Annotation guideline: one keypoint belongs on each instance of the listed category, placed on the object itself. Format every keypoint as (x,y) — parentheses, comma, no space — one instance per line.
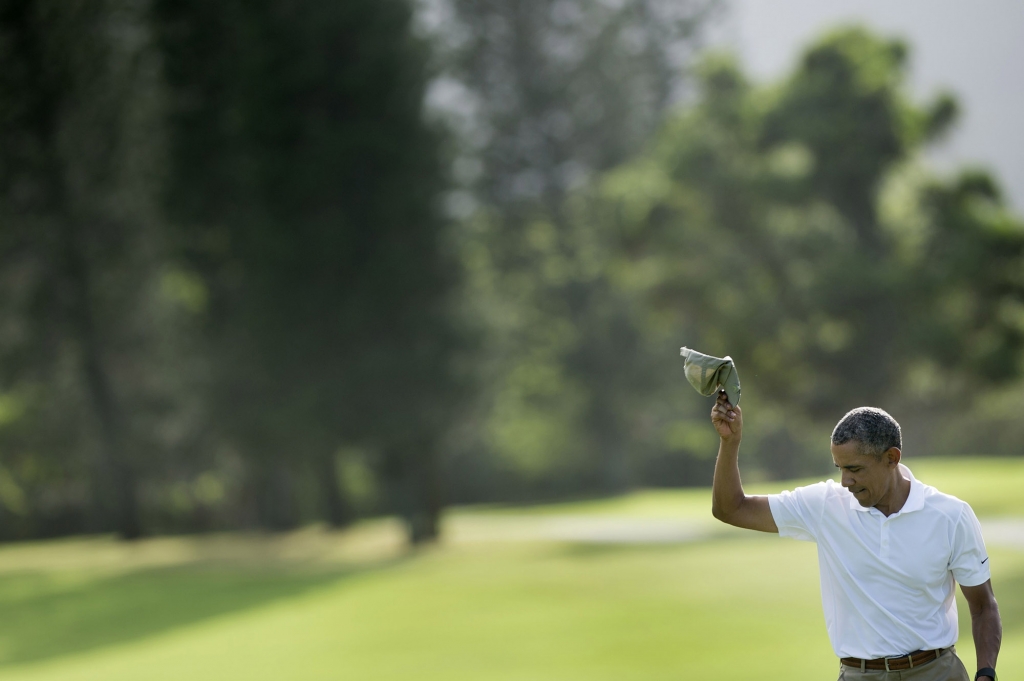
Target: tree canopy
(268,263)
(795,228)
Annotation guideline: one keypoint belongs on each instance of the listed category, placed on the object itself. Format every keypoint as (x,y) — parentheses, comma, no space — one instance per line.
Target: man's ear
(892,455)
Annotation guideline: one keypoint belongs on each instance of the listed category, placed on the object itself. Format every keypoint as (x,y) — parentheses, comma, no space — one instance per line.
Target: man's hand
(727,419)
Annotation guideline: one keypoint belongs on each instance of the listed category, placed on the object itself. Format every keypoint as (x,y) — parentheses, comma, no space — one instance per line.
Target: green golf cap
(707,374)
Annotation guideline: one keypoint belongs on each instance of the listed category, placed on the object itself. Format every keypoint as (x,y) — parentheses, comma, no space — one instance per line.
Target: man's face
(869,479)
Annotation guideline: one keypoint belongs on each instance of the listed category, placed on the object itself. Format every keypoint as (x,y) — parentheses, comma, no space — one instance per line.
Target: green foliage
(789,226)
(222,263)
(229,295)
(790,229)
(81,242)
(564,90)
(305,181)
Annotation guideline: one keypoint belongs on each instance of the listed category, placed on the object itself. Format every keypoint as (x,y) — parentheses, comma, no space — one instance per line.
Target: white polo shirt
(887,583)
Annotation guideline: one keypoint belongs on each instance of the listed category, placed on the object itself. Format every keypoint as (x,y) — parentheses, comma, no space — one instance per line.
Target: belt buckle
(910,661)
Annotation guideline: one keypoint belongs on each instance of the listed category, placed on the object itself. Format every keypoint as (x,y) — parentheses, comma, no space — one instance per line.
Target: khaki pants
(947,667)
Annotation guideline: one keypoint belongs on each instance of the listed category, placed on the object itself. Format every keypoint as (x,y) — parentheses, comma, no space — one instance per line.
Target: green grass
(991,485)
(319,605)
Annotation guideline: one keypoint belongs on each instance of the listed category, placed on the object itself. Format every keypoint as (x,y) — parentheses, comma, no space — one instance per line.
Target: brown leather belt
(895,664)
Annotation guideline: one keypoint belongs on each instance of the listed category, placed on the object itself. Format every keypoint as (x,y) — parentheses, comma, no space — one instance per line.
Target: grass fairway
(493,602)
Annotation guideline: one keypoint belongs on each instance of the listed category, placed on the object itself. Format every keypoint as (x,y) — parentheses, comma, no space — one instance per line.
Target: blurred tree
(79,255)
(562,88)
(307,185)
(548,93)
(791,229)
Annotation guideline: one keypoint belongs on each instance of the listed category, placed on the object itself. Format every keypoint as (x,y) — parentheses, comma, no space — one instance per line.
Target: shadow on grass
(45,616)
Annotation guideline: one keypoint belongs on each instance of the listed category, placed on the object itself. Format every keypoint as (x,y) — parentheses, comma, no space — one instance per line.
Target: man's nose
(847,480)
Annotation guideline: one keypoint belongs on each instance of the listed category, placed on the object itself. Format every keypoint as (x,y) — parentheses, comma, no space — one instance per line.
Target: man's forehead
(850,454)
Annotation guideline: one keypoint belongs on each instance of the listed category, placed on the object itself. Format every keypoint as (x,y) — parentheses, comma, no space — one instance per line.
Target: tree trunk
(117,472)
(339,511)
(414,489)
(275,499)
(611,447)
(424,520)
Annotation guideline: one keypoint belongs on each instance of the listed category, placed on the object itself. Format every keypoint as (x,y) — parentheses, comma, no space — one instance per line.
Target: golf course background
(641,586)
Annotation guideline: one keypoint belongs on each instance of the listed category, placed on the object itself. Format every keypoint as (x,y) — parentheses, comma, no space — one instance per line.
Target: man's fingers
(725,407)
(724,411)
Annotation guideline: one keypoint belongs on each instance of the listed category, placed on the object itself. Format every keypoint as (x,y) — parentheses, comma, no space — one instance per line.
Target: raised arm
(728,502)
(985,623)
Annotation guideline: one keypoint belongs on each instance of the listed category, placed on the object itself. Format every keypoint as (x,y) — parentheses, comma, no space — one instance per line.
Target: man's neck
(897,496)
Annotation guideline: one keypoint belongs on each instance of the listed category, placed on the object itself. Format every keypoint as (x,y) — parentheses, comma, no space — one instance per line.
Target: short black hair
(873,428)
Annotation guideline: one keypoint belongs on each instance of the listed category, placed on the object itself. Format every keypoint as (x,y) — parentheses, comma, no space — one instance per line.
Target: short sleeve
(968,559)
(798,513)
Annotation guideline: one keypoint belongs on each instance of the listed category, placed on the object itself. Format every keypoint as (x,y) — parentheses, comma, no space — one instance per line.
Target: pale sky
(974,49)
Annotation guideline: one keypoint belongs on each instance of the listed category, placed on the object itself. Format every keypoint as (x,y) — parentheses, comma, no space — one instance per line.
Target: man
(889,551)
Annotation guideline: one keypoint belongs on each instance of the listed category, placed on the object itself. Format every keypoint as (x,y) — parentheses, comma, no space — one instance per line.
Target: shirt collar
(914,502)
